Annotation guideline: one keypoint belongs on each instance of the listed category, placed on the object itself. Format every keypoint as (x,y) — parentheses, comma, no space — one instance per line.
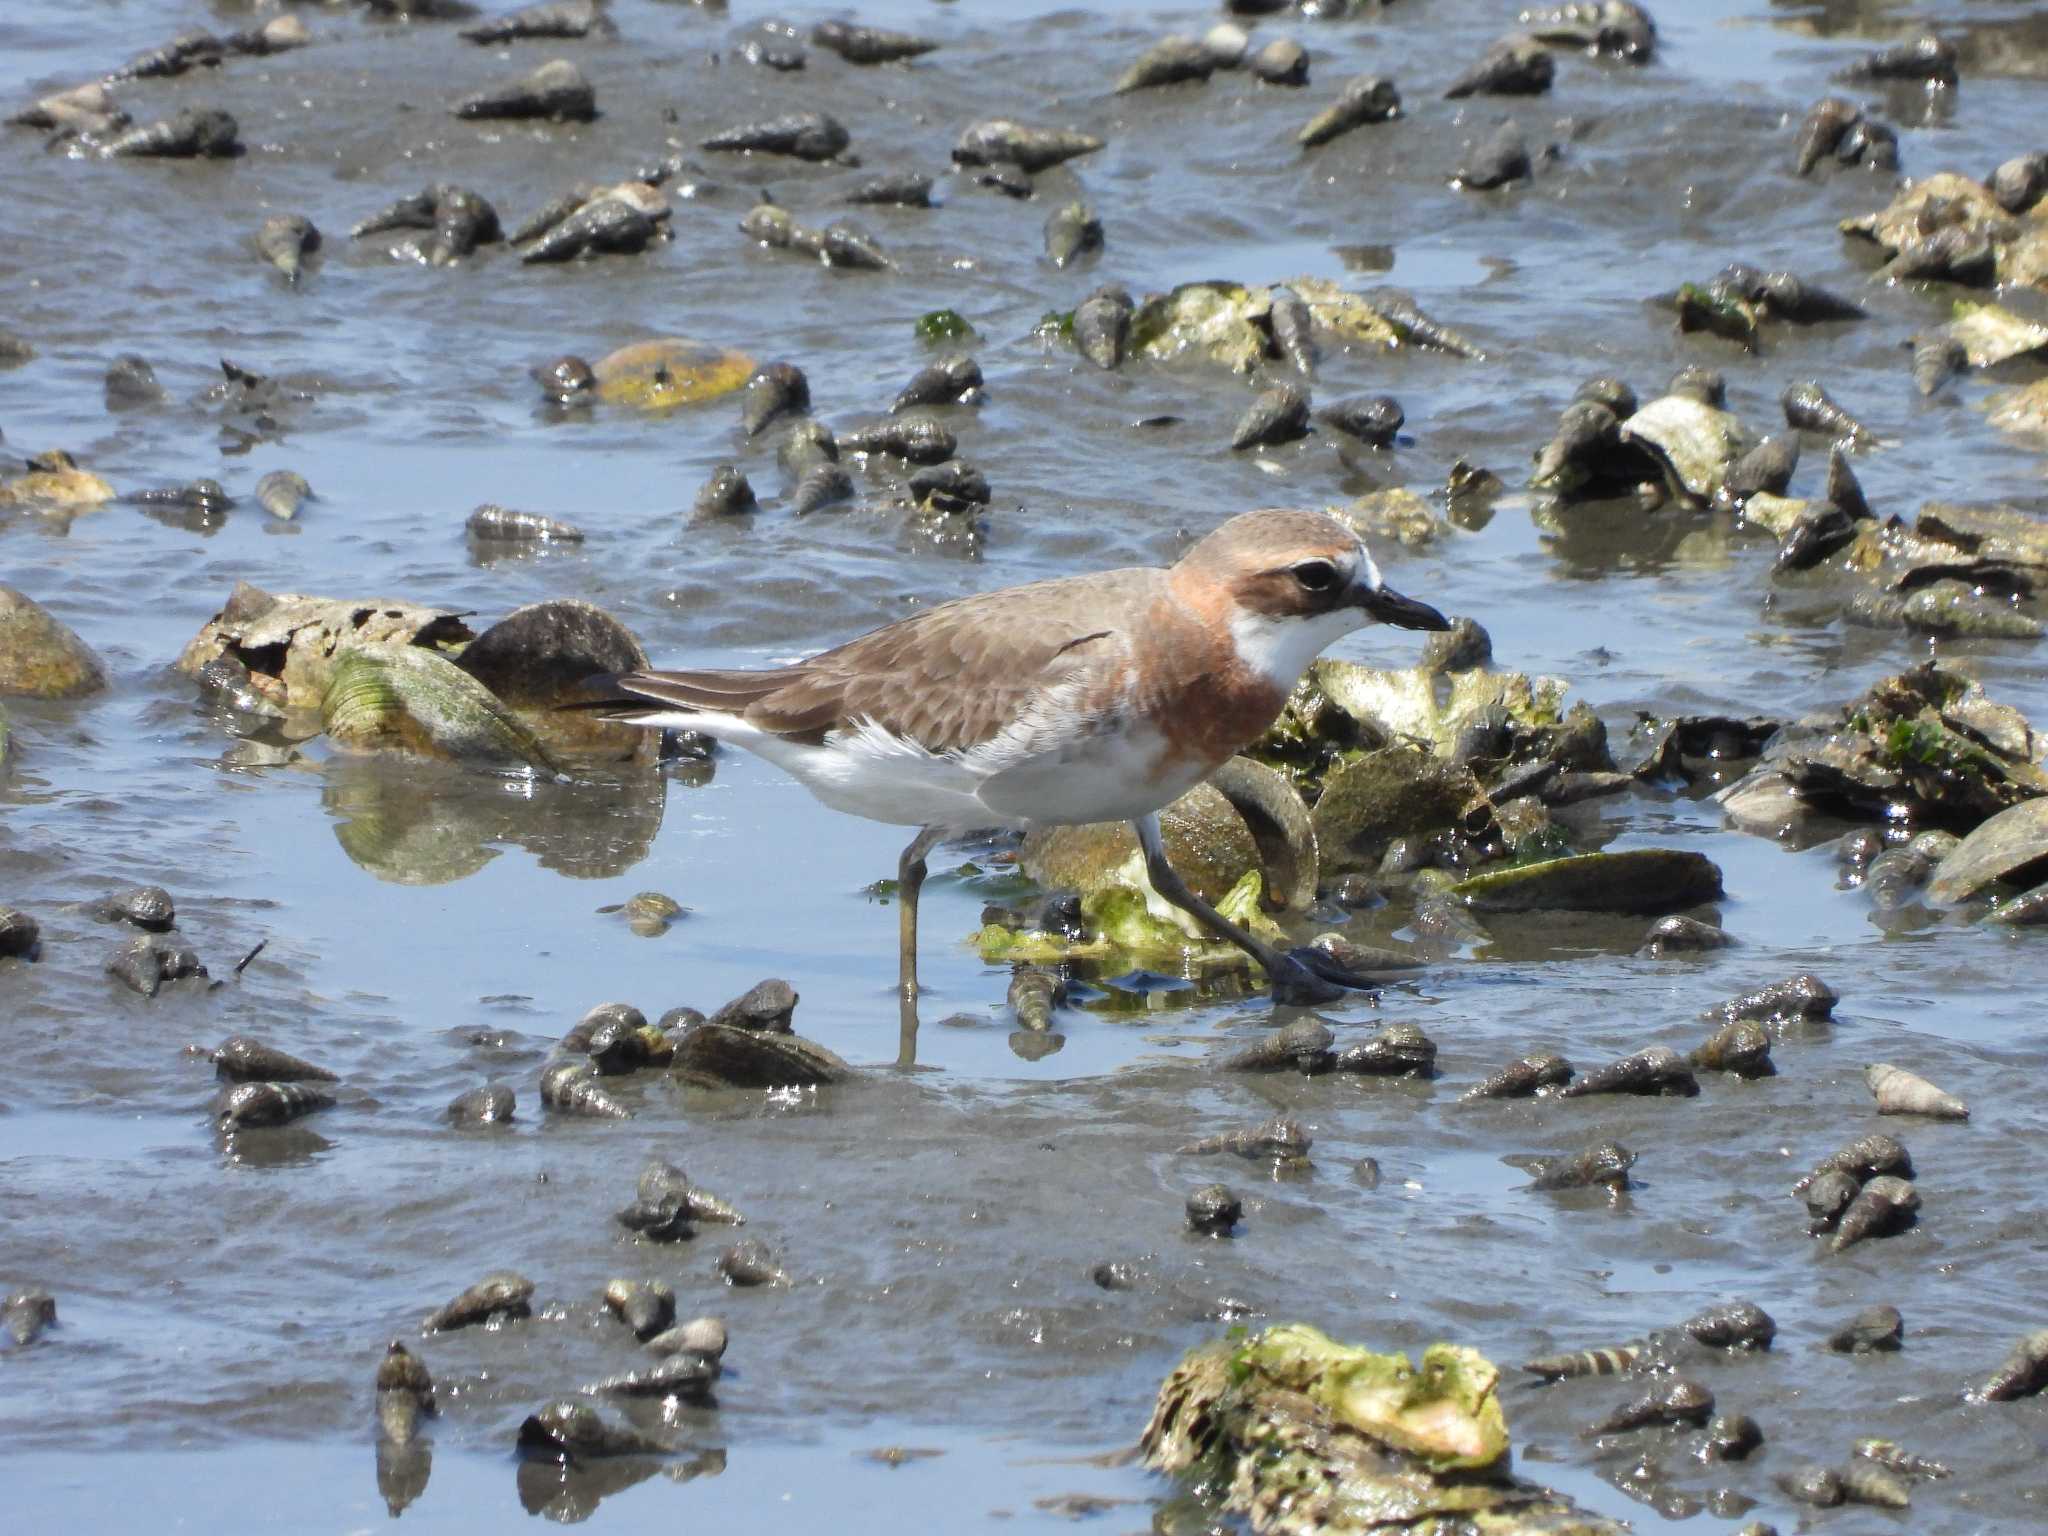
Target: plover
(1099,697)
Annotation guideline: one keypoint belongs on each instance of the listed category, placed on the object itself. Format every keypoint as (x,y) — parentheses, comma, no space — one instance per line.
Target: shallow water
(222,1315)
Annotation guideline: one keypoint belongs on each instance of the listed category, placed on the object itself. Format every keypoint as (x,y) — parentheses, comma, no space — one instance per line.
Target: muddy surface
(222,1313)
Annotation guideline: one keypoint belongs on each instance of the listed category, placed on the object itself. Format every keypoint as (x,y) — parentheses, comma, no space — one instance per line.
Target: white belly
(1046,772)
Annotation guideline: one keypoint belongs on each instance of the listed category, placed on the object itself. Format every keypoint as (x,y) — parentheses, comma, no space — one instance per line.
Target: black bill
(1390,607)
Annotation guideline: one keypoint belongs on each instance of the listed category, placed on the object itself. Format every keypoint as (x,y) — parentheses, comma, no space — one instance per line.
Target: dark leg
(910,873)
(1300,976)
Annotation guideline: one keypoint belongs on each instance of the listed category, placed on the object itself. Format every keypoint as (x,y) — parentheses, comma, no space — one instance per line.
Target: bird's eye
(1316,575)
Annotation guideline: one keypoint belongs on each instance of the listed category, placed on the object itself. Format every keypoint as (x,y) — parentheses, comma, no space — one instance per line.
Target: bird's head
(1289,583)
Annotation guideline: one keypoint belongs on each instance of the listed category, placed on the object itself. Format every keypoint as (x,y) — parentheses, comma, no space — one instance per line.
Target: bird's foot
(1306,976)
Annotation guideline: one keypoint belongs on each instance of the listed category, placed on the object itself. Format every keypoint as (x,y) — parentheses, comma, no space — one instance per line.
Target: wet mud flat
(977,1242)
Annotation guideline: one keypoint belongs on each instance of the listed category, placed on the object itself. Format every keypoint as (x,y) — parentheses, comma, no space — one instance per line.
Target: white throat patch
(1280,649)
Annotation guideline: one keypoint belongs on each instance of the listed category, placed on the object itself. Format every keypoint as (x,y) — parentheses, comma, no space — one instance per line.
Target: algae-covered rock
(40,657)
(1644,881)
(1928,745)
(1433,709)
(289,642)
(1231,323)
(1302,1435)
(408,699)
(1395,792)
(1126,925)
(670,371)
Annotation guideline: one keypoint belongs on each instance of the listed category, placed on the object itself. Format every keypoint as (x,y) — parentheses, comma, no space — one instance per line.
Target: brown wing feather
(948,678)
